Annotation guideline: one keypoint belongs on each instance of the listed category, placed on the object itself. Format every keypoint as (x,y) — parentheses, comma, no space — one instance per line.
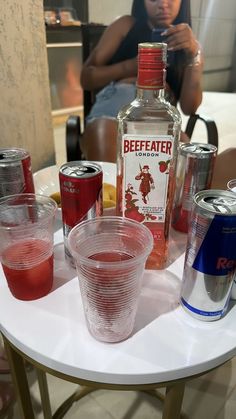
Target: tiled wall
(214,22)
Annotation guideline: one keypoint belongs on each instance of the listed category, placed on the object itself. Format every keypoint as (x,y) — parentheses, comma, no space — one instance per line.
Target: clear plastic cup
(110,255)
(26,244)
(231,185)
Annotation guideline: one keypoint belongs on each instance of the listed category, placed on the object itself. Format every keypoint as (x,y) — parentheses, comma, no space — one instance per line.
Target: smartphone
(157,37)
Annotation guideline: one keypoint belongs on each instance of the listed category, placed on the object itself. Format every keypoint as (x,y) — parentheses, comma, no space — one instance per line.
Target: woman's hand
(181,37)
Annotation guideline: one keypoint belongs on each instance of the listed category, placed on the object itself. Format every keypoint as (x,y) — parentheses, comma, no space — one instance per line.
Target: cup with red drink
(110,255)
(26,244)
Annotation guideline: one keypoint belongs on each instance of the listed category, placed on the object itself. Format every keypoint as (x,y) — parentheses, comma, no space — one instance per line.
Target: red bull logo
(225,263)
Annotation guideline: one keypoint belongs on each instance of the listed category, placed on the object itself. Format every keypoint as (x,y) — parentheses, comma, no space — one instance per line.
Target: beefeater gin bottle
(148,139)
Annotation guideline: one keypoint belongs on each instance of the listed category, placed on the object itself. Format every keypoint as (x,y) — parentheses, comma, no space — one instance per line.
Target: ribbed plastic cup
(110,255)
(26,244)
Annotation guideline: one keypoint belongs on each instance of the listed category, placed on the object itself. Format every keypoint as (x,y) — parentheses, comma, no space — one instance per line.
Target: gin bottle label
(146,168)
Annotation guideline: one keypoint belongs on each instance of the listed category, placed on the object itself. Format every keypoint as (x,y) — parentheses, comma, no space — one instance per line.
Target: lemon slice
(56,197)
(109,203)
(109,191)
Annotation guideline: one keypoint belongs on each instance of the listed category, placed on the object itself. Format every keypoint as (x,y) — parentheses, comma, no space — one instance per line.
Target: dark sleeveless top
(140,32)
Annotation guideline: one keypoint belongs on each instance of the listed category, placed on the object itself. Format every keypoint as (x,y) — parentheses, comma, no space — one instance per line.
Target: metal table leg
(20,382)
(44,394)
(173,401)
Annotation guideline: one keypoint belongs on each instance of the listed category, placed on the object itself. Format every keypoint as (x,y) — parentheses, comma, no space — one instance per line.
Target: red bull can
(15,172)
(81,195)
(231,186)
(194,173)
(210,259)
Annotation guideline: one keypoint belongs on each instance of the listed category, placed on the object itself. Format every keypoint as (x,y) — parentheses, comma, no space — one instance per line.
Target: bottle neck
(151,80)
(149,94)
(151,70)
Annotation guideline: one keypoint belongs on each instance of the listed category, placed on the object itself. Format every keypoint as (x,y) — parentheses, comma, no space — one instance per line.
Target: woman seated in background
(112,69)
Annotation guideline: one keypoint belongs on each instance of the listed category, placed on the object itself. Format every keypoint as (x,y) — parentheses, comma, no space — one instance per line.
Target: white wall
(214,23)
(105,11)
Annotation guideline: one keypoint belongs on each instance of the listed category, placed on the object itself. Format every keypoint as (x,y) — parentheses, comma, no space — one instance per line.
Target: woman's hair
(175,71)
(139,12)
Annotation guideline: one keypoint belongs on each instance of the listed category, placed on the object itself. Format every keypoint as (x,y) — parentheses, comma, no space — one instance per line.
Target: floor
(212,396)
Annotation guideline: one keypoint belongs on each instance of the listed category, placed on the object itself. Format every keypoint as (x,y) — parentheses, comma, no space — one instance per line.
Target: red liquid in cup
(28,283)
(110,256)
(110,288)
(110,296)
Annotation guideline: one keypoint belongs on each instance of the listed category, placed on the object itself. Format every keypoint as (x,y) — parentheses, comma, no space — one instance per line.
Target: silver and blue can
(210,260)
(193,174)
(15,172)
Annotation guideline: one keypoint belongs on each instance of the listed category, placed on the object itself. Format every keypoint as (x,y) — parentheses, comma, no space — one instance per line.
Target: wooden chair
(91,33)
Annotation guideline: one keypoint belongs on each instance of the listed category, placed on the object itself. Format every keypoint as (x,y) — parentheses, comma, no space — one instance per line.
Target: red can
(81,195)
(15,172)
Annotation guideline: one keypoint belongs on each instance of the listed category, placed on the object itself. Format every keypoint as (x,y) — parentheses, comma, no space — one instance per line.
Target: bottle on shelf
(148,140)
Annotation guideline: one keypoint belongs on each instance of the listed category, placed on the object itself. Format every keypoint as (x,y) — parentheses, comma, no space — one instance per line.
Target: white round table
(167,344)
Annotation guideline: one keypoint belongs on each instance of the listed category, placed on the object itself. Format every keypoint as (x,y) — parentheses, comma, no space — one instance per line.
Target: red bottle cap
(151,65)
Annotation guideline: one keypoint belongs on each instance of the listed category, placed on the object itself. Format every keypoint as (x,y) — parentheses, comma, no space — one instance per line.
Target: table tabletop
(166,344)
